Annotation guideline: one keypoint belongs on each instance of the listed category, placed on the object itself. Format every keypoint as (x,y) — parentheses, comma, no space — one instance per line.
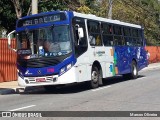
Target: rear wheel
(134,72)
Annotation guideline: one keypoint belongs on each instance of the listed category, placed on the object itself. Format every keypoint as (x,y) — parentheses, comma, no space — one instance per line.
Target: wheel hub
(95,76)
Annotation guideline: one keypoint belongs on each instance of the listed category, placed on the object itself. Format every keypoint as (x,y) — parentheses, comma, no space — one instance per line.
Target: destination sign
(42,19)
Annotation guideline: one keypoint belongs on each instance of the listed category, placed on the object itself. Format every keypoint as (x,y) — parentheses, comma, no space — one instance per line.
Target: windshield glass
(44,42)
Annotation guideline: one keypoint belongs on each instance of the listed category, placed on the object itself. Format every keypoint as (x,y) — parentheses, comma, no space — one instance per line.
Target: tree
(143,12)
(18,7)
(8,16)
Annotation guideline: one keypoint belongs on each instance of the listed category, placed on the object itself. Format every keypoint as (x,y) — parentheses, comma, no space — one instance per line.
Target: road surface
(117,94)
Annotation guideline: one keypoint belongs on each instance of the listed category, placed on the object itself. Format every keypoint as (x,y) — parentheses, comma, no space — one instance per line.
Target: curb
(151,67)
(20,90)
(8,91)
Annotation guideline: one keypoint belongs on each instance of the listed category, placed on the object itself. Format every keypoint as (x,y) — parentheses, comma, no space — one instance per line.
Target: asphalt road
(117,94)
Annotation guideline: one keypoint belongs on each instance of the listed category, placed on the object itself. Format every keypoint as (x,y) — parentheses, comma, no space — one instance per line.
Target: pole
(34,11)
(34,7)
(110,9)
(159,13)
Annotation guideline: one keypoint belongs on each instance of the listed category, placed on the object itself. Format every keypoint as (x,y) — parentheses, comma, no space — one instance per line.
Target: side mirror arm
(9,41)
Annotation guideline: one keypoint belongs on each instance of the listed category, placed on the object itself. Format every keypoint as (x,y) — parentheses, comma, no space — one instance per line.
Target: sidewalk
(13,88)
(8,87)
(152,66)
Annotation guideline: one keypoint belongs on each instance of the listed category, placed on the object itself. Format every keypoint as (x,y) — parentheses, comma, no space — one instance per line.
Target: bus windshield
(44,42)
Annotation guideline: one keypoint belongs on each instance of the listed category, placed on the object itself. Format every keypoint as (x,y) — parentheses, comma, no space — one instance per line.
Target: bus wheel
(134,70)
(95,76)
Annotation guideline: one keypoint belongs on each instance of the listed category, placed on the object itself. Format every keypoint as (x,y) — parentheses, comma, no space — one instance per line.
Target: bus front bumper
(66,78)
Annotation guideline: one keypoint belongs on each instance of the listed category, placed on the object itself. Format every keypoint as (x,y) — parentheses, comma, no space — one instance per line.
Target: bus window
(94,33)
(82,47)
(107,34)
(126,31)
(128,41)
(118,40)
(127,36)
(136,37)
(23,42)
(106,28)
(108,40)
(134,41)
(117,30)
(139,42)
(135,33)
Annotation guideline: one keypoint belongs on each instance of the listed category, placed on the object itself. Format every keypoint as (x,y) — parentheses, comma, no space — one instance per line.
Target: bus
(63,47)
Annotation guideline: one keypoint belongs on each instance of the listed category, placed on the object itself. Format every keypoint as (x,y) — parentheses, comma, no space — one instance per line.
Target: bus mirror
(9,40)
(80,33)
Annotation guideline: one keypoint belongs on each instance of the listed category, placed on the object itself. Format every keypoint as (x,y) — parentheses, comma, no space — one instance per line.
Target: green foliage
(8,17)
(51,5)
(84,9)
(143,12)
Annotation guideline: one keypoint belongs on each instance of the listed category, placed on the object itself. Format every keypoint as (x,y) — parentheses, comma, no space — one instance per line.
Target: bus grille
(47,79)
(38,63)
(41,62)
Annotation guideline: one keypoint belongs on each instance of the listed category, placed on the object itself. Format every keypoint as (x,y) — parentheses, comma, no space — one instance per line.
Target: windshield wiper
(27,34)
(30,40)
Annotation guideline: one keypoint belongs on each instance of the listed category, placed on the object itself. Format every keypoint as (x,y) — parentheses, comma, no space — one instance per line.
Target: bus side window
(136,37)
(117,31)
(80,45)
(128,41)
(107,34)
(127,36)
(94,33)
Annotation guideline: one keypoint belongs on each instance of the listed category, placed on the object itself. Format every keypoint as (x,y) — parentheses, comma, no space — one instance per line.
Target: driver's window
(80,44)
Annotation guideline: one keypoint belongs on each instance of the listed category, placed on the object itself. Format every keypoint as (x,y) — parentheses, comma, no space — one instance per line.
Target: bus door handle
(93,46)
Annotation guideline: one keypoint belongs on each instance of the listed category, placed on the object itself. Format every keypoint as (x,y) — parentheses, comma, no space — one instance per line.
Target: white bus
(63,47)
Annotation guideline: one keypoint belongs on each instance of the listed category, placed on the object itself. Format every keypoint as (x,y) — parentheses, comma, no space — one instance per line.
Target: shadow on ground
(74,88)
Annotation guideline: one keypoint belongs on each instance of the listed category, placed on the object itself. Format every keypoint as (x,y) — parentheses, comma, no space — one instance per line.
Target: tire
(95,77)
(134,72)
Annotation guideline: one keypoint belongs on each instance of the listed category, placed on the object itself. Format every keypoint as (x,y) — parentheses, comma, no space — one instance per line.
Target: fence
(154,53)
(8,71)
(7,62)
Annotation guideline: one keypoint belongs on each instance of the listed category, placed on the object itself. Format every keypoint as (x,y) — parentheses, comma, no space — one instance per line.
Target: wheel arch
(134,60)
(98,65)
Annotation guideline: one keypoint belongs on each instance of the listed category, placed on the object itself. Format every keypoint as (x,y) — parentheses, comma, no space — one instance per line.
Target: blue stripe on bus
(57,68)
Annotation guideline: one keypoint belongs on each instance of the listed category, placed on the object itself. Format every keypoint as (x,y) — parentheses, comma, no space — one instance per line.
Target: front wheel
(95,77)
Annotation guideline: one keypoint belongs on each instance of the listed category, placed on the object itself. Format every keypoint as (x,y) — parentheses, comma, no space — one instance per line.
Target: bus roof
(87,16)
(93,17)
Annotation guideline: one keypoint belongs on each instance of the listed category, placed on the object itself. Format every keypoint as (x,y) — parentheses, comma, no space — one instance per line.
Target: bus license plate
(40,80)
